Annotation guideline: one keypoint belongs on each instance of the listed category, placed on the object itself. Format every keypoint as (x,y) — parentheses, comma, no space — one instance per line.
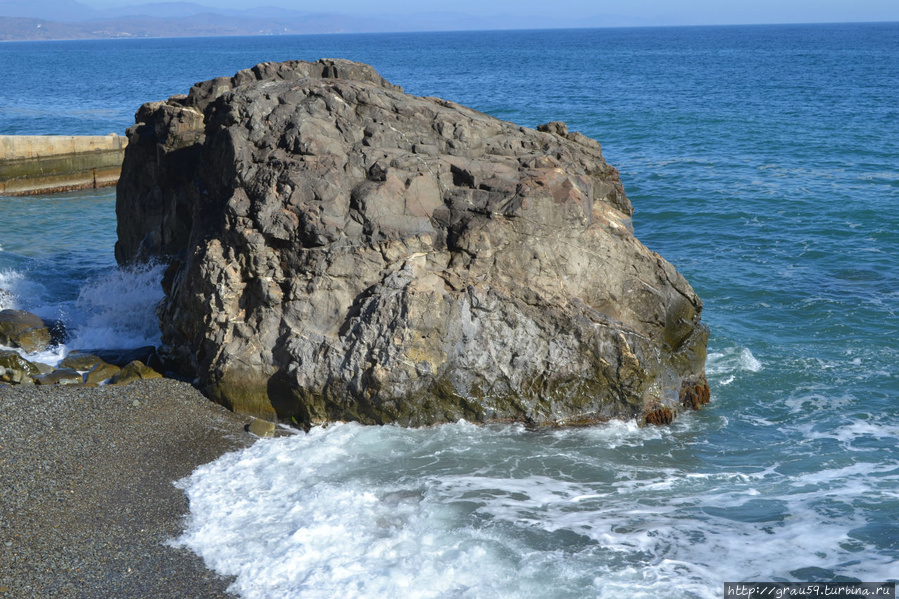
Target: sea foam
(118,310)
(726,364)
(8,279)
(466,511)
(15,287)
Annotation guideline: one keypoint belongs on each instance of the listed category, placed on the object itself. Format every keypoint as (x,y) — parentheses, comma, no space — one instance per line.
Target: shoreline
(87,495)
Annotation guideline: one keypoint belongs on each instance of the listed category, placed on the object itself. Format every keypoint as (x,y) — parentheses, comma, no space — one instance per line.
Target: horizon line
(423,31)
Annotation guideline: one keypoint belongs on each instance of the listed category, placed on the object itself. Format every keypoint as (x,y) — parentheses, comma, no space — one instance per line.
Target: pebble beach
(88,505)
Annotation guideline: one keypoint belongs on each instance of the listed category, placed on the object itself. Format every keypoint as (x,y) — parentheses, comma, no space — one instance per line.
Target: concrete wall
(31,164)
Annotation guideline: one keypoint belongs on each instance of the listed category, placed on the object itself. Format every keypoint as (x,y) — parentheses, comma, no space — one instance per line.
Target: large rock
(341,250)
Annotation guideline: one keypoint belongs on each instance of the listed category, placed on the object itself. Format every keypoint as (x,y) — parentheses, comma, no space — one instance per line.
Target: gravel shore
(86,495)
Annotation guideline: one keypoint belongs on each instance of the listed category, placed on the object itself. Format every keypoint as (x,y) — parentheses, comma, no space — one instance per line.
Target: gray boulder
(340,250)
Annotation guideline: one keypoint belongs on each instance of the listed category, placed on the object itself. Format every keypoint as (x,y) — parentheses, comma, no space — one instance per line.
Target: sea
(762,161)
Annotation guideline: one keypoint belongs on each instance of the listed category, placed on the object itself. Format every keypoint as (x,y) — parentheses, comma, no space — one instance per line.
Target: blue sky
(658,12)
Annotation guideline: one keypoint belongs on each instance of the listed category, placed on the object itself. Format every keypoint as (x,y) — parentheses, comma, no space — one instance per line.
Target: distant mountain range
(69,19)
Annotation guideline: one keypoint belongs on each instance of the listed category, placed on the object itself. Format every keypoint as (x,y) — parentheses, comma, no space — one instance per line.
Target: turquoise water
(762,161)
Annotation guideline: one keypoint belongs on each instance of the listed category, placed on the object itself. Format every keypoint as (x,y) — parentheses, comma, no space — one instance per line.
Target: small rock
(11,360)
(23,329)
(82,361)
(62,376)
(101,372)
(135,403)
(14,376)
(134,371)
(262,428)
(556,127)
(43,368)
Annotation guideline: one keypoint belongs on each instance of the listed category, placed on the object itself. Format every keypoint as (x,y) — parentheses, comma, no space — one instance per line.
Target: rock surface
(341,250)
(60,376)
(80,360)
(134,371)
(261,428)
(12,360)
(24,330)
(101,372)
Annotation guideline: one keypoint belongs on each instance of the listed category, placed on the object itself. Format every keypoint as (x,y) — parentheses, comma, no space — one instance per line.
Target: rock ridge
(339,250)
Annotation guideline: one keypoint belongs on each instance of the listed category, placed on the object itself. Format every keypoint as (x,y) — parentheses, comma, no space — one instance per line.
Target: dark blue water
(762,161)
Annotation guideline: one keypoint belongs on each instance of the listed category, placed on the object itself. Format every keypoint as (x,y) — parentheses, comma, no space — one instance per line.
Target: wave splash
(16,289)
(115,310)
(118,310)
(724,365)
(8,279)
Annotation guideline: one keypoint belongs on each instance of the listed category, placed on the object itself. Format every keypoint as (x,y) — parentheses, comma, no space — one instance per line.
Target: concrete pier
(32,164)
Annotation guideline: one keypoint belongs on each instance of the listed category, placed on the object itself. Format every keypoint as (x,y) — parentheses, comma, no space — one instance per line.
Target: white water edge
(461,510)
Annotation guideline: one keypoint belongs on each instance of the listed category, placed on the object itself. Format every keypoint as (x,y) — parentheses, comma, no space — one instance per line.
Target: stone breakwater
(340,250)
(32,164)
